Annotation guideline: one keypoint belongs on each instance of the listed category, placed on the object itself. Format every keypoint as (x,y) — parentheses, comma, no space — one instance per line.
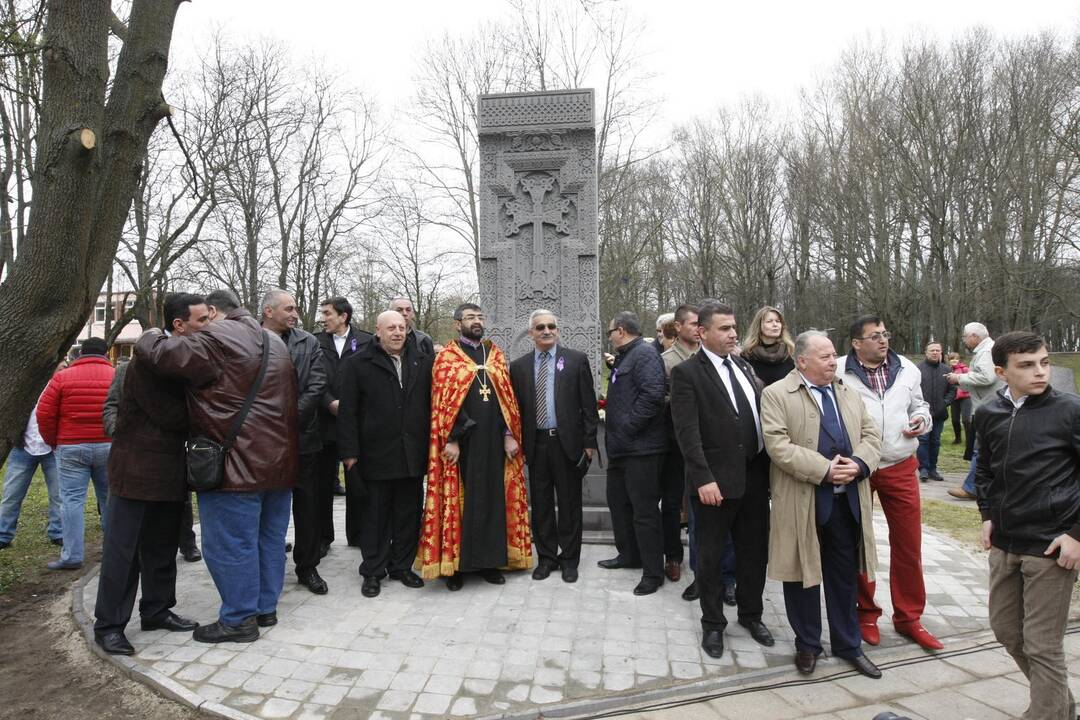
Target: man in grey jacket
(981,381)
(279,315)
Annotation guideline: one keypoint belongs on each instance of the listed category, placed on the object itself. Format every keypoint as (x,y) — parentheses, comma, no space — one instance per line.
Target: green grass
(961,522)
(24,561)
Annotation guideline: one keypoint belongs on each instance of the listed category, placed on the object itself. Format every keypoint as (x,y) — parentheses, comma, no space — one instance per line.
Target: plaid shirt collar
(878,377)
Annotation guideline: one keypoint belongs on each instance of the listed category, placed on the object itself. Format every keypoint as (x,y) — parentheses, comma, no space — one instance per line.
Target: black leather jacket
(1028,472)
(308,360)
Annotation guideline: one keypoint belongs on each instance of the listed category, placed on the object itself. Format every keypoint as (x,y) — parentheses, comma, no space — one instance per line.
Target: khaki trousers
(1029,609)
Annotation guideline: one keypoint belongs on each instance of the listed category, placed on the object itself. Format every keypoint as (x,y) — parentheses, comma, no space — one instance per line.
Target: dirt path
(50,673)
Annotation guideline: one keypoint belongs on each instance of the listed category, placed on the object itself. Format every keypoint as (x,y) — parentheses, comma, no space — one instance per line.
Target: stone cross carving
(538,215)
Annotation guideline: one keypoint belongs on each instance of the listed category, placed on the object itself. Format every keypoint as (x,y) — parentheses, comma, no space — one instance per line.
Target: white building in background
(111,308)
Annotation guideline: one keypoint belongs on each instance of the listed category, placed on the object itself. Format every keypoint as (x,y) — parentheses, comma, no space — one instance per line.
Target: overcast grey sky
(703,54)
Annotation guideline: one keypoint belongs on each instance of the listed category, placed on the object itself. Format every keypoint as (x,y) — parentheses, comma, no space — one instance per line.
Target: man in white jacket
(983,383)
(891,389)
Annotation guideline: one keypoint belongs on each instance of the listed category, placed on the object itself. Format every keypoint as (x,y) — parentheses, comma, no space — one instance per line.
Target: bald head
(390,328)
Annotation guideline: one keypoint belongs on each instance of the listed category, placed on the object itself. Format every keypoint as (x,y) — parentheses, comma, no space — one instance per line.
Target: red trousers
(897,489)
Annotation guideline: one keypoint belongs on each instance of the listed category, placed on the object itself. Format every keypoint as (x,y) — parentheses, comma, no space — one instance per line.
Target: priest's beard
(473,332)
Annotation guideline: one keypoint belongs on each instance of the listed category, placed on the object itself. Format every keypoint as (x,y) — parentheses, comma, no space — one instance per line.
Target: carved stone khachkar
(538,207)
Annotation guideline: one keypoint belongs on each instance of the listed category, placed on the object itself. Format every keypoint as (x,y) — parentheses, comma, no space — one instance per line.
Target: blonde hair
(753,335)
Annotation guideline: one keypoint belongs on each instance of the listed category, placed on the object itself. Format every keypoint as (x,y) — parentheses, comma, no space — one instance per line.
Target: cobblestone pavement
(518,649)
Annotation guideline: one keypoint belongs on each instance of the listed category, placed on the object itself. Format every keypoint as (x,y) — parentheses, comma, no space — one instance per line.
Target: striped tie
(541,392)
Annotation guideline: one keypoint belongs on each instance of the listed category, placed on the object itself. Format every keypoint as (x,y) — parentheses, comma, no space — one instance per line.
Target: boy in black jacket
(1028,486)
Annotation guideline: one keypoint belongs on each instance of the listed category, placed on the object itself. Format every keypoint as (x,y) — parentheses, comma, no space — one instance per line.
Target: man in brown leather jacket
(243,521)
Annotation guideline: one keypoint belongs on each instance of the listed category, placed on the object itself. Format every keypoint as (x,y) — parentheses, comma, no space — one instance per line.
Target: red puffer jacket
(69,412)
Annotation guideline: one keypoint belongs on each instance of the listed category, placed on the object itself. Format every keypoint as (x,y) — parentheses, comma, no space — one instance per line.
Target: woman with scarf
(768,346)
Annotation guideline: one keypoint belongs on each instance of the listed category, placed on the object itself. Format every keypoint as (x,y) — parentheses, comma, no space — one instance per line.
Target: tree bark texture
(91,145)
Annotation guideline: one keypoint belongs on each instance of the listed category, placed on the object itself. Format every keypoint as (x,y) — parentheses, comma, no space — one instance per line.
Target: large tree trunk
(89,155)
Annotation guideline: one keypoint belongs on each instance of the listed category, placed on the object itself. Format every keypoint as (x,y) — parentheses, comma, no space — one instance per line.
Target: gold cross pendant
(485,392)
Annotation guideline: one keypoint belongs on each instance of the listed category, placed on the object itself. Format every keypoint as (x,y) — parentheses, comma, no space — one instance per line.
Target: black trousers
(672,489)
(839,538)
(329,466)
(187,520)
(307,529)
(140,542)
(633,494)
(555,481)
(390,526)
(355,502)
(746,519)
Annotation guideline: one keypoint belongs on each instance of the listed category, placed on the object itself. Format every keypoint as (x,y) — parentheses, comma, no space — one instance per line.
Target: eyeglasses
(542,327)
(611,330)
(877,337)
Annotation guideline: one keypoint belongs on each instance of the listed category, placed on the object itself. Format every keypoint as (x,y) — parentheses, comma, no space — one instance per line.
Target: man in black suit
(339,341)
(383,427)
(555,392)
(715,408)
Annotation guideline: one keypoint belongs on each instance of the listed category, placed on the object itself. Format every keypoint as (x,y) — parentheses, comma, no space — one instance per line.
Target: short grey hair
(662,320)
(802,341)
(976,328)
(272,297)
(406,298)
(628,321)
(541,311)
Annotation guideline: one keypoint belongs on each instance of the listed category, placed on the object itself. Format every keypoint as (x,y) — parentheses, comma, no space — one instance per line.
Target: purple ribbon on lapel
(560,364)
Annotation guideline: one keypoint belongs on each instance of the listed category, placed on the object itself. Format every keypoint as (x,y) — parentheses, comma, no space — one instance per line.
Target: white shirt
(339,343)
(1017,403)
(744,383)
(33,443)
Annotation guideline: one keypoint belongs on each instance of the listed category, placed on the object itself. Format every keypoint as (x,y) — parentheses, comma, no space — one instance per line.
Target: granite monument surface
(538,217)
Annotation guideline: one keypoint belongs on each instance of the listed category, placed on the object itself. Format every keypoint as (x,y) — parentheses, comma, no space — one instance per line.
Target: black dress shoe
(647,587)
(408,578)
(569,574)
(4,545)
(54,541)
(371,586)
(864,666)
(805,661)
(169,621)
(191,554)
(617,563)
(936,476)
(543,569)
(729,595)
(288,547)
(759,632)
(691,592)
(313,582)
(493,576)
(114,643)
(324,548)
(266,619)
(455,582)
(245,632)
(713,643)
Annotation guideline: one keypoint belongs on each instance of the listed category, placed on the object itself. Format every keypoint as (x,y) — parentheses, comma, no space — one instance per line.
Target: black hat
(93,346)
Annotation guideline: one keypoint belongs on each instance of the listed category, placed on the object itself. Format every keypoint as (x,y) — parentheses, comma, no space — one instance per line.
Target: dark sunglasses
(542,326)
(613,330)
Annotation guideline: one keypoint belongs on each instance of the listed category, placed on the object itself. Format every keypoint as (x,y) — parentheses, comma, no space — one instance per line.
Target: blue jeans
(969,481)
(930,448)
(20,470)
(76,466)
(243,545)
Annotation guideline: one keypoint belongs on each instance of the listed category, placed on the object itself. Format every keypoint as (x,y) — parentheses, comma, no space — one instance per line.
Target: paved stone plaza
(518,649)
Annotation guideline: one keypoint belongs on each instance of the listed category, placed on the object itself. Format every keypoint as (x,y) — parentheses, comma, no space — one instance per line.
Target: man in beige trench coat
(823,445)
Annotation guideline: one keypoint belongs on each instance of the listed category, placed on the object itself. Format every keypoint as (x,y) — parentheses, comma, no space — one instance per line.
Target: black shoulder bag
(205,457)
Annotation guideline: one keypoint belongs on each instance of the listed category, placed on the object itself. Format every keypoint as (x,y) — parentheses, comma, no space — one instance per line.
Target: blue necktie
(830,422)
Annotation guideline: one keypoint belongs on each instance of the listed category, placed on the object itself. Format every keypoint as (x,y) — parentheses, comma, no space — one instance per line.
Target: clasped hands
(452,451)
(843,470)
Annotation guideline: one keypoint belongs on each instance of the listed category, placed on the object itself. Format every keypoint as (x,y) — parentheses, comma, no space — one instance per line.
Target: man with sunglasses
(555,391)
(891,389)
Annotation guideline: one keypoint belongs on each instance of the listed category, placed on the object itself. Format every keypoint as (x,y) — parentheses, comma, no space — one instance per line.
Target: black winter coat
(355,342)
(634,415)
(382,424)
(936,390)
(307,358)
(1027,477)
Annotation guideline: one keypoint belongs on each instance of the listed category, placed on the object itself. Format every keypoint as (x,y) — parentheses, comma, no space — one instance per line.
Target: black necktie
(747,426)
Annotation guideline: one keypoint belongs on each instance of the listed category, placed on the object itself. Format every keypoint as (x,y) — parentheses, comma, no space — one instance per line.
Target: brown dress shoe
(961,494)
(673,570)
